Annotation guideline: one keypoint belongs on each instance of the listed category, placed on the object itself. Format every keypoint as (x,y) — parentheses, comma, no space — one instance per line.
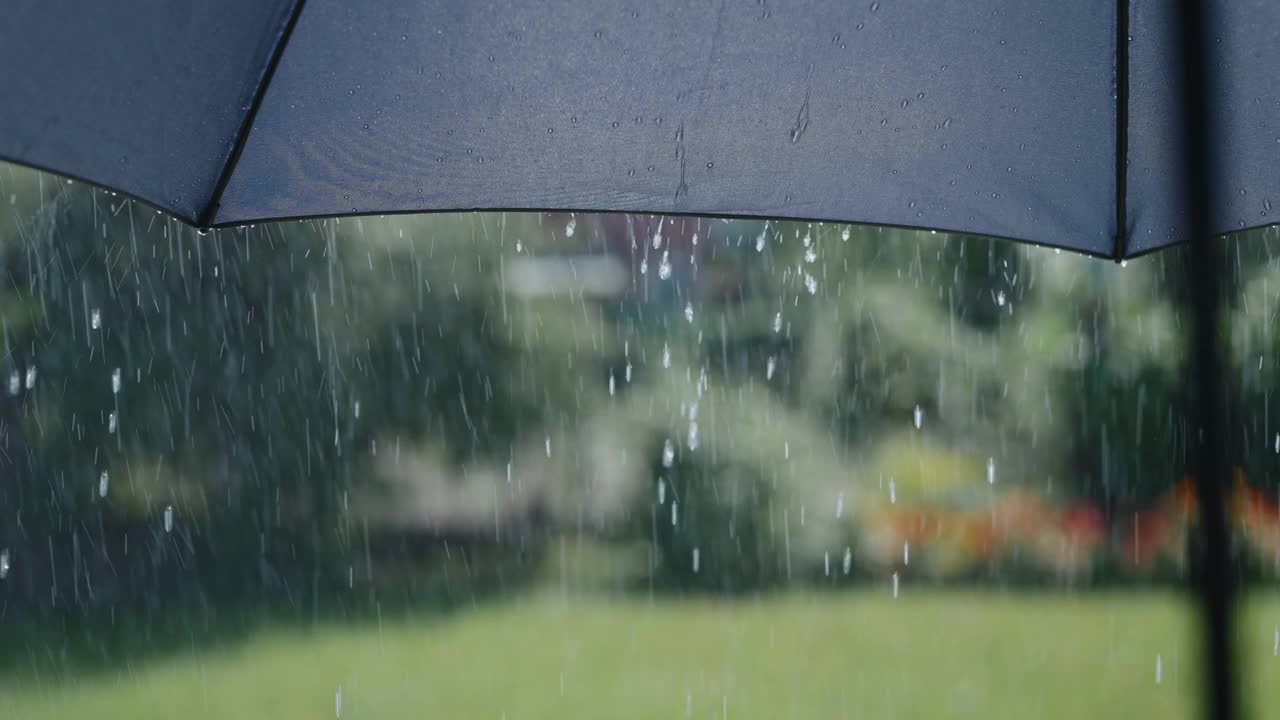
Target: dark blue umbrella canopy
(1045,121)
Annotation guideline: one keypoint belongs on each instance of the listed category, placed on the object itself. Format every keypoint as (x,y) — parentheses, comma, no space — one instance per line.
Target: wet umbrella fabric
(1004,119)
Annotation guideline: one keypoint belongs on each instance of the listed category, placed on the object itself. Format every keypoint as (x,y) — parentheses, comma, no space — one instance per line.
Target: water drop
(570,227)
(95,319)
(115,381)
(917,416)
(991,471)
(104,481)
(168,518)
(844,235)
(4,563)
(30,380)
(666,355)
(688,312)
(662,491)
(895,586)
(769,367)
(668,453)
(15,384)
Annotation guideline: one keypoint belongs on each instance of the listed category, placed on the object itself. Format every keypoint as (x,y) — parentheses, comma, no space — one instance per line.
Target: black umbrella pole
(1211,574)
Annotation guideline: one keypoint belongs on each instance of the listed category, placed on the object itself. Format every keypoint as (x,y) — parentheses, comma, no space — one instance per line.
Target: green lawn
(943,654)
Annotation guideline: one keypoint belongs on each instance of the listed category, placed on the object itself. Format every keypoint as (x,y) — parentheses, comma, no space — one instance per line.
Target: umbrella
(1083,125)
(1041,121)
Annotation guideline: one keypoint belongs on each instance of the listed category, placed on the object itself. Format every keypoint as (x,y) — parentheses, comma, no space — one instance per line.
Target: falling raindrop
(103,482)
(1000,299)
(115,381)
(547,445)
(844,235)
(906,553)
(847,563)
(760,239)
(570,227)
(893,492)
(668,453)
(810,255)
(30,380)
(895,586)
(777,323)
(612,385)
(111,423)
(839,505)
(95,319)
(675,513)
(15,383)
(337,702)
(664,266)
(1159,669)
(662,491)
(168,518)
(695,560)
(811,284)
(917,416)
(769,368)
(692,439)
(666,355)
(688,312)
(991,471)
(4,563)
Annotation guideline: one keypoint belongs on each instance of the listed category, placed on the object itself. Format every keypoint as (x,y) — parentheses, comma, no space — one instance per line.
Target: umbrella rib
(1122,128)
(246,124)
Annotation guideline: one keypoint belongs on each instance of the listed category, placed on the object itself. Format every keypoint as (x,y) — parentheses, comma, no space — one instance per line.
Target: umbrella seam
(1122,127)
(205,221)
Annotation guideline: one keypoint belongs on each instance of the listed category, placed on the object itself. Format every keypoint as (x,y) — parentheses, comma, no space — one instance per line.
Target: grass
(938,654)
